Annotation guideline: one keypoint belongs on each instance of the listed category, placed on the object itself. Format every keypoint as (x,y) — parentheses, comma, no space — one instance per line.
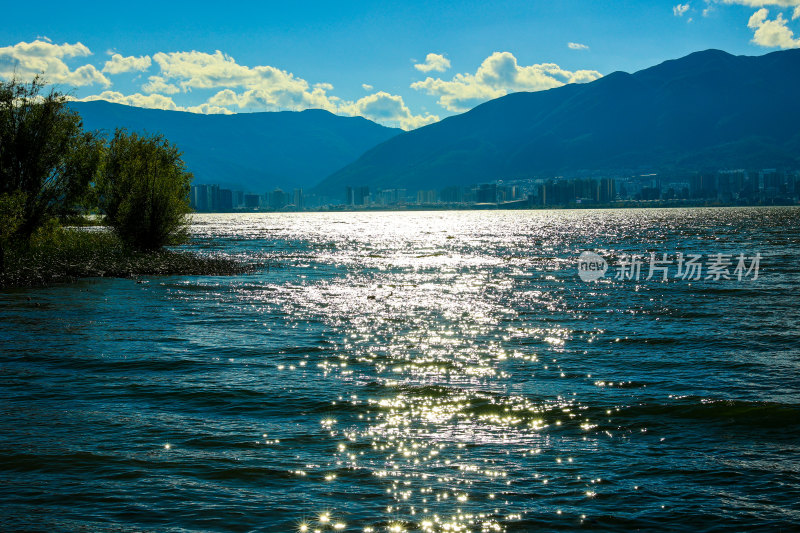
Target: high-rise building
(299,200)
(426,197)
(252,201)
(452,195)
(225,200)
(487,193)
(606,190)
(201,198)
(357,196)
(361,196)
(277,199)
(213,197)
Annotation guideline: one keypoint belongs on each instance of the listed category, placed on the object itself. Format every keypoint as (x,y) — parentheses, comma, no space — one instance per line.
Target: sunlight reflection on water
(448,371)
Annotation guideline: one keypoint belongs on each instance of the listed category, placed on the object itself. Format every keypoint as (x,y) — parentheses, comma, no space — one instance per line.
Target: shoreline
(509,206)
(73,253)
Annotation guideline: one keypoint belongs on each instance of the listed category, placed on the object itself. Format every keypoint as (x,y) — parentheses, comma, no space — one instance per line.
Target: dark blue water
(414,372)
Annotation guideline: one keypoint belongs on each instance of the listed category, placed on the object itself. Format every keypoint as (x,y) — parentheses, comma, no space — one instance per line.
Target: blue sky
(402,65)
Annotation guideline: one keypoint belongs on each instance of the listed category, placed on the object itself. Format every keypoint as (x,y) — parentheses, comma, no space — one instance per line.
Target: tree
(12,206)
(45,155)
(144,190)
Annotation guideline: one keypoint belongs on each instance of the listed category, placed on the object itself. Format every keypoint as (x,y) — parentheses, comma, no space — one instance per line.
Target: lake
(425,371)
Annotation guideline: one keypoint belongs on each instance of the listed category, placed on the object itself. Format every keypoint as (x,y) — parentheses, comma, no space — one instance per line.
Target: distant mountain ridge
(706,110)
(250,151)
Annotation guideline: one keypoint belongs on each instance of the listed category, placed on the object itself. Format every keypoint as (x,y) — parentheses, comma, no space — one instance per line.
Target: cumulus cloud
(43,57)
(157,84)
(577,46)
(380,107)
(761,3)
(384,107)
(498,75)
(435,62)
(771,33)
(264,86)
(200,70)
(367,86)
(269,88)
(781,4)
(680,10)
(272,98)
(764,3)
(233,86)
(119,64)
(208,109)
(153,101)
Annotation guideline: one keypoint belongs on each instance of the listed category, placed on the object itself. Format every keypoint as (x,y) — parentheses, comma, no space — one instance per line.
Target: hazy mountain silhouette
(252,151)
(707,110)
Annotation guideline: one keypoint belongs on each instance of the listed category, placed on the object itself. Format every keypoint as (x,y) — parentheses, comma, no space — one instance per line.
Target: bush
(46,158)
(12,207)
(144,190)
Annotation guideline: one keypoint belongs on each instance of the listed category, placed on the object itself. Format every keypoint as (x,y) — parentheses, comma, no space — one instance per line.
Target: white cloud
(680,10)
(208,109)
(225,98)
(498,75)
(264,86)
(205,71)
(269,88)
(273,98)
(367,86)
(157,84)
(238,86)
(771,33)
(119,64)
(387,108)
(380,107)
(436,62)
(153,101)
(577,46)
(761,3)
(41,57)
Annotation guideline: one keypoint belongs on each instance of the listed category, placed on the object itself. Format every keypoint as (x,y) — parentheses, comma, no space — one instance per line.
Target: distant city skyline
(404,66)
(767,186)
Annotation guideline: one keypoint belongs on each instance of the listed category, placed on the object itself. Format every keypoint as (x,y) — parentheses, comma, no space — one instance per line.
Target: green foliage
(44,154)
(144,190)
(52,172)
(12,207)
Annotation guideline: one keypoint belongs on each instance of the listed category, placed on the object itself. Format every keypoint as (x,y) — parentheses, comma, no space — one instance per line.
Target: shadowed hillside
(707,110)
(254,151)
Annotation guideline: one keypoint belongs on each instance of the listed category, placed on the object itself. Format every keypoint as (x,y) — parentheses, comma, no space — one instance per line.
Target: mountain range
(249,151)
(708,110)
